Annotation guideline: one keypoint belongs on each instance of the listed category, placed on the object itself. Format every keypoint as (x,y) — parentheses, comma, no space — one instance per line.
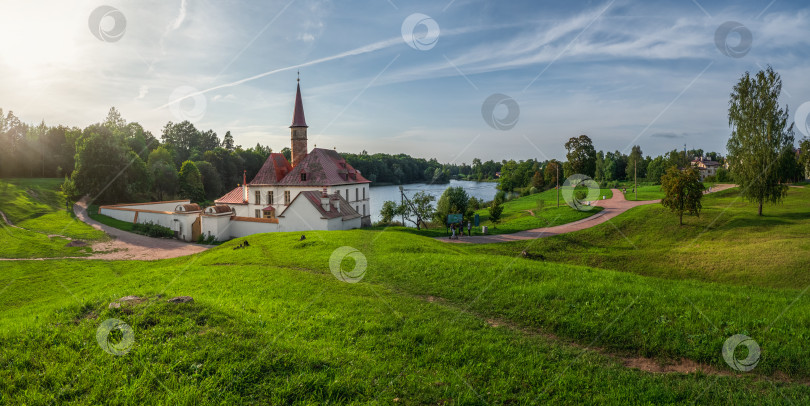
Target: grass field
(38,207)
(523,213)
(728,243)
(291,332)
(92,211)
(429,322)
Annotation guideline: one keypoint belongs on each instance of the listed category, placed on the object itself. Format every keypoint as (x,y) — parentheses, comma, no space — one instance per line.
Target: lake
(379,194)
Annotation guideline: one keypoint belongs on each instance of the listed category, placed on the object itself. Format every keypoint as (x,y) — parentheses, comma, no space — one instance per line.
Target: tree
(537,180)
(635,162)
(160,154)
(656,169)
(804,157)
(164,178)
(227,141)
(190,180)
(581,156)
(682,191)
(550,172)
(760,136)
(102,162)
(181,138)
(495,211)
(419,206)
(114,121)
(389,210)
(212,182)
(453,200)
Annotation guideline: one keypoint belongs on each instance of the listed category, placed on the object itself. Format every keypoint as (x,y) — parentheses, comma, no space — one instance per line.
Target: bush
(152,230)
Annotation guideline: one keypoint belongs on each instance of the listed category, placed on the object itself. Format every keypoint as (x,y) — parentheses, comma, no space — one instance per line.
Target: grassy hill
(728,243)
(36,206)
(429,323)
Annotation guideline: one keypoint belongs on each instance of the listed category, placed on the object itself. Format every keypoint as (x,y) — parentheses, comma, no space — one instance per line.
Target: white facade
(357,194)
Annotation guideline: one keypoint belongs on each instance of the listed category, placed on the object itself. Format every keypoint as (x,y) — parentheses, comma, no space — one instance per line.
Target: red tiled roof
(274,169)
(323,167)
(340,207)
(233,197)
(298,114)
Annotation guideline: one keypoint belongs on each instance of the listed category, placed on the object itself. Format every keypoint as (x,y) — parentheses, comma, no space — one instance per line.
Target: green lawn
(728,243)
(38,207)
(430,322)
(92,211)
(644,193)
(524,213)
(270,324)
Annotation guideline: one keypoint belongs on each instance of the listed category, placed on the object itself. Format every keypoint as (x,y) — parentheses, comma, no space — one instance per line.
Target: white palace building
(318,190)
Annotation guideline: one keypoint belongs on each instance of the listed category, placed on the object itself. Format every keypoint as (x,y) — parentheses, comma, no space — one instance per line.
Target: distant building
(318,190)
(706,167)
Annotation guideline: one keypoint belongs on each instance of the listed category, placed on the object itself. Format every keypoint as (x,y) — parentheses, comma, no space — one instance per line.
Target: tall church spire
(298,114)
(298,129)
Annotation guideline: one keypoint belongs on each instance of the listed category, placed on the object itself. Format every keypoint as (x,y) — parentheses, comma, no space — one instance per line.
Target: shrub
(152,230)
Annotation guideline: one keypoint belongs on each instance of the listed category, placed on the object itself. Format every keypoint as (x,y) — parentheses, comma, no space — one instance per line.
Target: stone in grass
(126,300)
(181,299)
(76,243)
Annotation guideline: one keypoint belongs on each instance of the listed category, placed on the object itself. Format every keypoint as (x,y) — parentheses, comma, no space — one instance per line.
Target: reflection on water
(379,194)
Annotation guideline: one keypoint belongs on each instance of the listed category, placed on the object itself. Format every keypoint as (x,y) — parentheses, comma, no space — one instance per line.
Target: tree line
(386,169)
(118,161)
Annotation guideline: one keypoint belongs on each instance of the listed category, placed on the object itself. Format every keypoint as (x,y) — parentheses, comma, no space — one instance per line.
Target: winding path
(131,246)
(611,208)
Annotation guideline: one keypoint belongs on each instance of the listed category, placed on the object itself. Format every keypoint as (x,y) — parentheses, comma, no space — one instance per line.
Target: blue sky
(624,72)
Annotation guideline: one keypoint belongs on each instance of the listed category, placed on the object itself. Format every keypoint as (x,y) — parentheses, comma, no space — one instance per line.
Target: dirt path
(611,208)
(5,220)
(130,246)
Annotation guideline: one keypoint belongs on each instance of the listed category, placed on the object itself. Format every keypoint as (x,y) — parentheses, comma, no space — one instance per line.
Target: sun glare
(37,38)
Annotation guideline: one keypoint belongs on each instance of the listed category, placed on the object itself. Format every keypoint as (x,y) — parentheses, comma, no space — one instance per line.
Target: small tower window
(303,176)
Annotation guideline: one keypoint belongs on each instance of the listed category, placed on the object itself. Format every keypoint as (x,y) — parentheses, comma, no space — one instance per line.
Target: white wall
(302,216)
(245,228)
(278,197)
(241,210)
(123,215)
(158,206)
(218,226)
(182,223)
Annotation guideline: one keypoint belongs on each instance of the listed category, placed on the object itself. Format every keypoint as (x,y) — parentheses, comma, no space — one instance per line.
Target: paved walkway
(131,246)
(611,208)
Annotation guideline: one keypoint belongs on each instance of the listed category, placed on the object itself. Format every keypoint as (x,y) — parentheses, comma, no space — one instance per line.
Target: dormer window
(303,176)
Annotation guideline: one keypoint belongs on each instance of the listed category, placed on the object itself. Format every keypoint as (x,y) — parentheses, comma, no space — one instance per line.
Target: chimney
(244,186)
(325,200)
(298,130)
